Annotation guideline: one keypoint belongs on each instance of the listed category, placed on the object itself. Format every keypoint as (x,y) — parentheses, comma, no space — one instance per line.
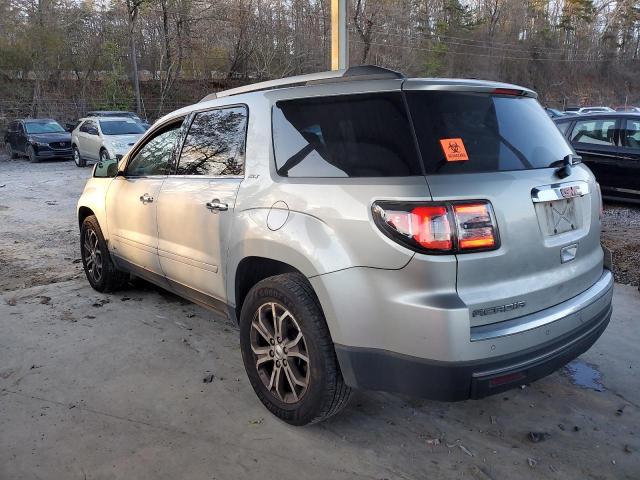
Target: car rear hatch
(497,144)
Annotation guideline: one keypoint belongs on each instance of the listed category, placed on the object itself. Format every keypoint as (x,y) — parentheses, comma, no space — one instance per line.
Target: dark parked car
(609,143)
(37,138)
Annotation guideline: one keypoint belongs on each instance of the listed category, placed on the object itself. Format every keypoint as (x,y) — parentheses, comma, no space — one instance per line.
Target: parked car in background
(583,110)
(119,113)
(38,139)
(609,144)
(554,113)
(628,109)
(104,138)
(423,236)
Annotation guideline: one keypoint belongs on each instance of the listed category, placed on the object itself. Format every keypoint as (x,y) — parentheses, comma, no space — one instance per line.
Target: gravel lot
(621,234)
(111,386)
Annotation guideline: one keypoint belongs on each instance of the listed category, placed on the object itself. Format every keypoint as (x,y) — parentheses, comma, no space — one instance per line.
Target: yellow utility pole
(339,49)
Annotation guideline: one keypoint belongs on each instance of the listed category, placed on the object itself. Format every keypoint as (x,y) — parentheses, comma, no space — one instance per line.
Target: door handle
(146,198)
(217,206)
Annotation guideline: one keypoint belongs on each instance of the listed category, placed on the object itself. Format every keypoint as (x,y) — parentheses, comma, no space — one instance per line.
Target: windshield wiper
(564,165)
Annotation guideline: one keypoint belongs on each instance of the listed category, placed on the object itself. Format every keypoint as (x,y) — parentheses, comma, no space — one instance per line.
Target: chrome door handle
(217,206)
(146,198)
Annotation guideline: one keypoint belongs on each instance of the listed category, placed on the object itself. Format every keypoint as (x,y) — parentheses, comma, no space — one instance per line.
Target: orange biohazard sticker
(454,150)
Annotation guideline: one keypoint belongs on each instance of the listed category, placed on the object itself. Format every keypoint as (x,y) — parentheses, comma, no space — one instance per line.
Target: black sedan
(609,143)
(38,139)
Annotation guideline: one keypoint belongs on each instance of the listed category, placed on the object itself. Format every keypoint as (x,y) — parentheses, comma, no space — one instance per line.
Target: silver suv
(433,237)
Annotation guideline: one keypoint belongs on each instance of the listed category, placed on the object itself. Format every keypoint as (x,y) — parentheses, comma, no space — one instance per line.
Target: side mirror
(92,131)
(106,169)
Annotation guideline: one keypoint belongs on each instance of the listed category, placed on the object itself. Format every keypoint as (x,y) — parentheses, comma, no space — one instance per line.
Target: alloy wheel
(92,255)
(280,352)
(76,156)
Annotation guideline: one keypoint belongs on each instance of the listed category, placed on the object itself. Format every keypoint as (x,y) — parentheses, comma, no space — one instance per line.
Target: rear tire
(296,390)
(77,158)
(96,260)
(104,155)
(31,153)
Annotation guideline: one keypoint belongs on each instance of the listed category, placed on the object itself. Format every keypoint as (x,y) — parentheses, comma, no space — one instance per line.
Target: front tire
(9,151)
(77,158)
(98,266)
(31,153)
(288,352)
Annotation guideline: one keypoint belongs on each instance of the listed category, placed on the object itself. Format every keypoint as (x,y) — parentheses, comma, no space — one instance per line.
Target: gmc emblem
(570,192)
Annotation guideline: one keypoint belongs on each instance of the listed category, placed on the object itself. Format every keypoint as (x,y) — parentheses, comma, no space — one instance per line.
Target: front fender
(93,197)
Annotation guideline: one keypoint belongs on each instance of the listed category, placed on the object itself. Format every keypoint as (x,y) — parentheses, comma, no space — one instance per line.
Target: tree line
(155,55)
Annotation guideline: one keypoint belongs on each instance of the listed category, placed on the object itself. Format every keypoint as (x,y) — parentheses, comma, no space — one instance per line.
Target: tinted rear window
(366,135)
(462,132)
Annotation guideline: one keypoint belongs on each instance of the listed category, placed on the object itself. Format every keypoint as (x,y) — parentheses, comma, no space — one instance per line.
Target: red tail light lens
(438,228)
(432,228)
(507,91)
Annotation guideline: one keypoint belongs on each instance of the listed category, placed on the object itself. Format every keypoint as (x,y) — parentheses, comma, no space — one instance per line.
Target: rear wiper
(564,165)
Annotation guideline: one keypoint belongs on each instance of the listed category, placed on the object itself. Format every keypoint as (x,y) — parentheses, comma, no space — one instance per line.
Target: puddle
(584,375)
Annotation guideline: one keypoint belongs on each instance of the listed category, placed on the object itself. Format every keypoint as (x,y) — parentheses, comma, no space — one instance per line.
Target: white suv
(104,138)
(433,237)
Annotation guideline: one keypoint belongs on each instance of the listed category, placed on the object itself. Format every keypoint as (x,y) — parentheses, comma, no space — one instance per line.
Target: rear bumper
(590,312)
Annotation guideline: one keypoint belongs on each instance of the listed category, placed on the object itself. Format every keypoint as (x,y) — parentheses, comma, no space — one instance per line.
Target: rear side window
(595,132)
(344,136)
(215,143)
(460,132)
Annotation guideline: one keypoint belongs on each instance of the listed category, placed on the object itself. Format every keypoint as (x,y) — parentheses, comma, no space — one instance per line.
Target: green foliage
(116,89)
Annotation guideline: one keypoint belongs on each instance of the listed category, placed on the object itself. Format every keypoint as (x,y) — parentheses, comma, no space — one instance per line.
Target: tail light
(439,228)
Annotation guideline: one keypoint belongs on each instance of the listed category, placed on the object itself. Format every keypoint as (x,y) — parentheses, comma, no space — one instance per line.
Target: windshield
(460,132)
(49,126)
(120,127)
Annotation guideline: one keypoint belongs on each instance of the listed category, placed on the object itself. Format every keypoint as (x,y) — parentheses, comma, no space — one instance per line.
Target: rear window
(460,132)
(366,135)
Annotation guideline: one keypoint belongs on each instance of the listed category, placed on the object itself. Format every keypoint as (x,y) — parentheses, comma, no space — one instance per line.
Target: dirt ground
(99,386)
(621,234)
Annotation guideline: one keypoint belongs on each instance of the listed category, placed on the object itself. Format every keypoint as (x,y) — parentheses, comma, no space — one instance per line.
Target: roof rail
(360,72)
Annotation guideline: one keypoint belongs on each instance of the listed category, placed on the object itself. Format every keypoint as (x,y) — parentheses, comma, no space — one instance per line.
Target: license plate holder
(560,216)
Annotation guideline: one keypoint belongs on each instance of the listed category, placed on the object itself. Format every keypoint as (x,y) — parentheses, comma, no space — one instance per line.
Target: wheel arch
(251,270)
(84,212)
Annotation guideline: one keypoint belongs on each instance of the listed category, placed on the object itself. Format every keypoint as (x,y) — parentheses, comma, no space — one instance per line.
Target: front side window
(215,143)
(121,127)
(365,135)
(89,126)
(50,126)
(154,158)
(631,137)
(595,132)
